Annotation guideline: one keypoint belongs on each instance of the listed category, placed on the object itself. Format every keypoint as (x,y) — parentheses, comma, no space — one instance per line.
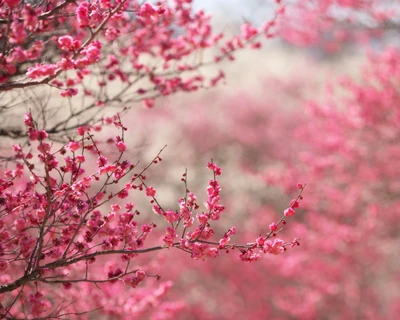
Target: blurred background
(318,104)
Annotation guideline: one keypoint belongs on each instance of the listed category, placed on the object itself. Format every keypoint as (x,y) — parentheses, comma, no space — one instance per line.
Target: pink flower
(107,169)
(115,207)
(223,242)
(150,192)
(148,103)
(70,92)
(129,206)
(202,218)
(82,14)
(140,274)
(212,253)
(107,120)
(134,281)
(170,236)
(157,209)
(289,212)
(274,247)
(147,10)
(73,145)
(171,216)
(231,231)
(294,204)
(41,70)
(66,64)
(249,256)
(28,119)
(92,53)
(42,135)
(81,130)
(102,161)
(105,4)
(114,274)
(123,194)
(65,42)
(212,166)
(80,158)
(111,34)
(121,146)
(273,227)
(17,148)
(33,135)
(248,31)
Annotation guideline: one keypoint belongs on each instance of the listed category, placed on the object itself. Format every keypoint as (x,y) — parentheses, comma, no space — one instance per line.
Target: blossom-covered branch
(55,221)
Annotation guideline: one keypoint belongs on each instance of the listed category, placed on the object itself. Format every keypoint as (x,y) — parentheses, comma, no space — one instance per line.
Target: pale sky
(237,10)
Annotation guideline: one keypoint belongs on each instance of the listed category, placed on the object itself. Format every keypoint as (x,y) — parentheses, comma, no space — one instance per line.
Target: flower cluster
(141,30)
(68,209)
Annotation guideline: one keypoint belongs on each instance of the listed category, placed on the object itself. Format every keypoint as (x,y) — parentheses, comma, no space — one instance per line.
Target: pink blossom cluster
(147,10)
(41,70)
(82,14)
(309,22)
(152,32)
(60,217)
